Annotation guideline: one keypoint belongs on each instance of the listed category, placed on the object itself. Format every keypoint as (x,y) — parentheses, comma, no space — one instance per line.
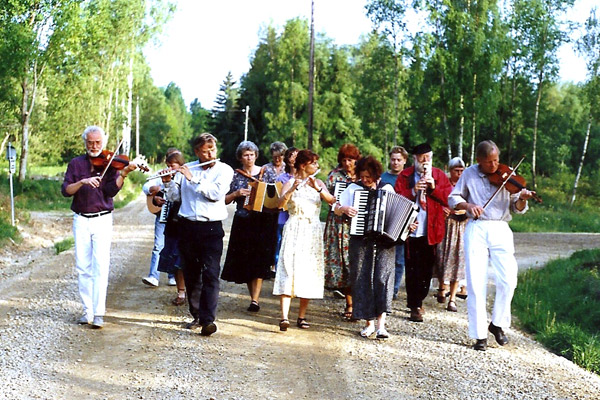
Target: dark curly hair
(370,164)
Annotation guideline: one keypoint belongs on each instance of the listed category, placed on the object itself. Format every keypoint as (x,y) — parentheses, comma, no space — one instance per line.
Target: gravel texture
(144,353)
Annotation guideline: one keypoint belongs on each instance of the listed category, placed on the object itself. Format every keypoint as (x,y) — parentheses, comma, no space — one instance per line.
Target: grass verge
(560,304)
(45,195)
(64,245)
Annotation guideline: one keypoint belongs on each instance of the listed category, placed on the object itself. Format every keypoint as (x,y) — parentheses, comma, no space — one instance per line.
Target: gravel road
(144,353)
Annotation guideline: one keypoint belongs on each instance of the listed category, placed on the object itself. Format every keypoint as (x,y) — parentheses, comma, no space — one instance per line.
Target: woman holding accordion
(372,260)
(251,249)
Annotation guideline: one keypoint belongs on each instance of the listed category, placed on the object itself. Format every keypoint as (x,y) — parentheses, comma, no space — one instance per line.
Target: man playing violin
(202,193)
(488,238)
(93,191)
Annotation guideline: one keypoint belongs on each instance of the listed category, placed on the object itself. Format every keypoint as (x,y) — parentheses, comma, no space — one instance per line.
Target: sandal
(284,324)
(452,306)
(347,314)
(178,301)
(302,324)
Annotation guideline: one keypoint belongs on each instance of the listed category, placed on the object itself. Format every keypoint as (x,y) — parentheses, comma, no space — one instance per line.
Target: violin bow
(111,159)
(512,173)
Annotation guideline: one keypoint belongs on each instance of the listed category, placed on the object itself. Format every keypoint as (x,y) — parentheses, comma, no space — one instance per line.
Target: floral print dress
(336,240)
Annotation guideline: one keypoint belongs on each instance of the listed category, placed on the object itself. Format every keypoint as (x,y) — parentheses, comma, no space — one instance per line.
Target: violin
(514,183)
(106,158)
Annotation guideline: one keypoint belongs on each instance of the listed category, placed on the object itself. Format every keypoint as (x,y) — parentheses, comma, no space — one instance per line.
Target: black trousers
(420,258)
(201,246)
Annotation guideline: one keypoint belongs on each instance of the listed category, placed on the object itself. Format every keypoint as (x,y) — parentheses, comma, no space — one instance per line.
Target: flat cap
(421,149)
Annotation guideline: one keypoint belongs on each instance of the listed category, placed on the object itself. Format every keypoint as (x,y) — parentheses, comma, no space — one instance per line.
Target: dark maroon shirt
(88,199)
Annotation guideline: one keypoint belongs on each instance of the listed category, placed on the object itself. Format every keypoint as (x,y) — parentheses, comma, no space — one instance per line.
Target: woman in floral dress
(337,231)
(450,255)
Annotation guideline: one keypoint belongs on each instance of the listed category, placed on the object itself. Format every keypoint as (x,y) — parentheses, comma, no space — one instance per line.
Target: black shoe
(480,344)
(254,307)
(208,329)
(498,333)
(195,324)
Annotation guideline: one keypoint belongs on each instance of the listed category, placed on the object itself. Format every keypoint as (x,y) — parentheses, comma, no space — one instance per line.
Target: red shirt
(436,200)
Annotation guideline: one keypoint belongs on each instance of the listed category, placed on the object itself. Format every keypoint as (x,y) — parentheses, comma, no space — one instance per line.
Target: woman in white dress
(300,266)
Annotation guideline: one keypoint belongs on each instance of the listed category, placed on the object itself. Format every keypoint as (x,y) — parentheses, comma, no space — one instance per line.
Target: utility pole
(246,123)
(311,75)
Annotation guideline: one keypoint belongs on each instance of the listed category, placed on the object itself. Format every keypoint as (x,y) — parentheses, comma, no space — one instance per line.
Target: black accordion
(382,214)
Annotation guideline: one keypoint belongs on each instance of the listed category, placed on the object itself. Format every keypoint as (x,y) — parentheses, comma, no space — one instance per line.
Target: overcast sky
(206,39)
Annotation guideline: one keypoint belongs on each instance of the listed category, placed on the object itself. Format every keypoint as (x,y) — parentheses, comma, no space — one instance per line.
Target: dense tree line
(474,70)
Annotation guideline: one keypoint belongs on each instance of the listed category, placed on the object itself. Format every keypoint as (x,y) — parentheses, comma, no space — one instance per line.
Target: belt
(93,215)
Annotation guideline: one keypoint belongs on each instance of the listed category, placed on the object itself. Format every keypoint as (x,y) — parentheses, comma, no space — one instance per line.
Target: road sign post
(11,156)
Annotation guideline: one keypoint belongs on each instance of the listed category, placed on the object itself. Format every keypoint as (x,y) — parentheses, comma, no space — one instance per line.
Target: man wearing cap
(429,187)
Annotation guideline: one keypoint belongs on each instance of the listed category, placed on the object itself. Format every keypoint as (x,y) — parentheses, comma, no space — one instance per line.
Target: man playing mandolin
(488,238)
(93,190)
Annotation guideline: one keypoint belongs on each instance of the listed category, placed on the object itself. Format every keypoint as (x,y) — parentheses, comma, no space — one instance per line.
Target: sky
(206,39)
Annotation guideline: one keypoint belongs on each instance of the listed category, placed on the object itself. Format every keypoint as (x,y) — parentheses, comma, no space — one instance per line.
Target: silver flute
(173,172)
(305,180)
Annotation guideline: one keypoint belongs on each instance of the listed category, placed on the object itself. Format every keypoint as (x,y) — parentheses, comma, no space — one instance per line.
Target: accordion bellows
(264,197)
(382,213)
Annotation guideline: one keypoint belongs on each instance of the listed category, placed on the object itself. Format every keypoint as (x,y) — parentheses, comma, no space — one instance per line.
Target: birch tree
(589,47)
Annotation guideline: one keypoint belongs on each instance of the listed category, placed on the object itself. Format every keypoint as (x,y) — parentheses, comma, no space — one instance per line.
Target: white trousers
(485,242)
(92,259)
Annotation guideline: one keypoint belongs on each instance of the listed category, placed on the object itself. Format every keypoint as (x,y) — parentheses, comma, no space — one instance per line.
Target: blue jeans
(399,267)
(159,243)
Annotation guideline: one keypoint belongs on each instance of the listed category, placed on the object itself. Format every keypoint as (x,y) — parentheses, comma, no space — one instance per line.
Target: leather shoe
(98,322)
(416,314)
(480,344)
(254,307)
(208,329)
(498,333)
(195,324)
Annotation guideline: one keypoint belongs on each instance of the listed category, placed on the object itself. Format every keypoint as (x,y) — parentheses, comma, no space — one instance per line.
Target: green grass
(556,214)
(561,305)
(64,245)
(44,194)
(7,231)
(48,171)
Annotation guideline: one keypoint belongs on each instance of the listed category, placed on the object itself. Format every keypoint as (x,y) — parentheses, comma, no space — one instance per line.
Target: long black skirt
(251,249)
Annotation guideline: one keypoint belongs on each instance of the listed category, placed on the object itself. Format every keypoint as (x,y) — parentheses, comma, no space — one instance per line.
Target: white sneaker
(367,331)
(172,281)
(382,333)
(150,281)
